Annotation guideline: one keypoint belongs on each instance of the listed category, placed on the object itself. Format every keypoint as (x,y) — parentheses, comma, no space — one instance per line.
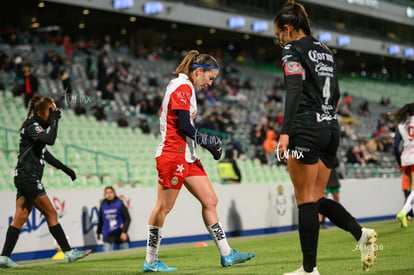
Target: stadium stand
(104,153)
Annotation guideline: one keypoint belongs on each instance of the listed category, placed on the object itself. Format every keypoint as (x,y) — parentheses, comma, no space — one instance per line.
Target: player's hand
(282,147)
(54,116)
(69,172)
(98,236)
(213,144)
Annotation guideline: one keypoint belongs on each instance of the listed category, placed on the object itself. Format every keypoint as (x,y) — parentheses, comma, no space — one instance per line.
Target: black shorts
(309,145)
(29,189)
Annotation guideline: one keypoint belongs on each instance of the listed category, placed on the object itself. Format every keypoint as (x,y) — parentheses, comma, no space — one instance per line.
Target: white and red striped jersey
(179,95)
(407,133)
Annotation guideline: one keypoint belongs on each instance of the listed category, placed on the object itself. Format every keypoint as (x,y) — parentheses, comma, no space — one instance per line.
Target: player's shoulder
(33,126)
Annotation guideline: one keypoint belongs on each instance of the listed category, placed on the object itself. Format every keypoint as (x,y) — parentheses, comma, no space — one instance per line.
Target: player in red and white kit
(178,164)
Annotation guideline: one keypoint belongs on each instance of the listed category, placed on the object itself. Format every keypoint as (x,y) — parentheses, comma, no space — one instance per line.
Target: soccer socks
(408,205)
(12,236)
(338,215)
(219,236)
(60,237)
(153,243)
(308,234)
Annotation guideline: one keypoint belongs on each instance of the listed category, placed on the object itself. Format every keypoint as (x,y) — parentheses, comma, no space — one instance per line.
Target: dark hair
(402,113)
(192,58)
(38,104)
(110,187)
(295,15)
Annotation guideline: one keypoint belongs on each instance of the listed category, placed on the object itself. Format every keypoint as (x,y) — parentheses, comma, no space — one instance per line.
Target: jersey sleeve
(35,131)
(38,133)
(293,73)
(180,98)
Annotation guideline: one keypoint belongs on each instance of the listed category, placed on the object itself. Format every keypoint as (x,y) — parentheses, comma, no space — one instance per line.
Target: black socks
(12,236)
(308,233)
(60,237)
(338,215)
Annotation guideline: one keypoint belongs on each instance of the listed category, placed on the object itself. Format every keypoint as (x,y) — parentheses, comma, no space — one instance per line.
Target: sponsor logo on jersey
(316,56)
(327,117)
(39,129)
(293,68)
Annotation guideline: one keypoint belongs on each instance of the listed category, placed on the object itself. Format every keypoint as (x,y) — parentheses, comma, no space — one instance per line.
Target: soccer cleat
(367,245)
(157,266)
(236,257)
(301,271)
(6,262)
(402,217)
(74,255)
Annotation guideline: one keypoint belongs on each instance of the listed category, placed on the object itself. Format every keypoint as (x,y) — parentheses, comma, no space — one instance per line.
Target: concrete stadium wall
(244,210)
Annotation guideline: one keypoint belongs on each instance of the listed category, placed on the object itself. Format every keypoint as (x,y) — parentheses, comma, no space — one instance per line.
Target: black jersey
(312,86)
(32,148)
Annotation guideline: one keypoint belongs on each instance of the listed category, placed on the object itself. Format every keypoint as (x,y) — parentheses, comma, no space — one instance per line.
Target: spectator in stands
(30,85)
(108,92)
(113,221)
(279,118)
(228,170)
(405,156)
(349,131)
(270,142)
(247,84)
(28,178)
(385,101)
(365,153)
(311,133)
(257,137)
(178,165)
(354,156)
(348,100)
(363,109)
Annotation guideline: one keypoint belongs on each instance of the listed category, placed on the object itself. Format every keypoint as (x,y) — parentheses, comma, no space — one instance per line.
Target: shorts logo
(174,181)
(39,185)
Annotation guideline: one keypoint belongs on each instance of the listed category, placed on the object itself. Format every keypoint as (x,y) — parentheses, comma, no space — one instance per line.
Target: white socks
(219,236)
(153,243)
(408,203)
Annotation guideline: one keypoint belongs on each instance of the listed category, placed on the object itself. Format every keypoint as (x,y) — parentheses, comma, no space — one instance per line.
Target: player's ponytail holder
(195,65)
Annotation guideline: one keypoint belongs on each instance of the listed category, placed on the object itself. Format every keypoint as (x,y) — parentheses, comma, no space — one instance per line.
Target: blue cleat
(74,255)
(157,266)
(6,262)
(236,257)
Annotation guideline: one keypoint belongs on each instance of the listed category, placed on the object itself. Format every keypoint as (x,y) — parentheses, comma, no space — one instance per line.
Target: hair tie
(195,65)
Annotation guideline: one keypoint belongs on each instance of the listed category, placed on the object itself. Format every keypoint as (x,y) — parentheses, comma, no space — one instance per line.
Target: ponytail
(32,103)
(293,14)
(36,105)
(194,60)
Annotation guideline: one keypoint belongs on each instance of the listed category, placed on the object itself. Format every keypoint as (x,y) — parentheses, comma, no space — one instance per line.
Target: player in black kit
(310,134)
(28,178)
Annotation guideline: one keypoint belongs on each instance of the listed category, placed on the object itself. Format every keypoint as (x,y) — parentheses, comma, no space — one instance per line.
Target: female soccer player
(177,163)
(28,178)
(404,134)
(113,221)
(310,133)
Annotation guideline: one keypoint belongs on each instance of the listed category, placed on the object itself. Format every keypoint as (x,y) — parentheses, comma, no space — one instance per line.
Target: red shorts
(407,169)
(173,169)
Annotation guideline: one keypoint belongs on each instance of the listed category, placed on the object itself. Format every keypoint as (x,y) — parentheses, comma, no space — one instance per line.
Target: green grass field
(275,254)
